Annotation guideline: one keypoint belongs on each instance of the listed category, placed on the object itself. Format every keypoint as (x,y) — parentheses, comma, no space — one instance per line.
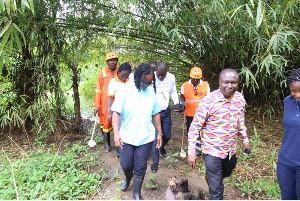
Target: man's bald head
(229,82)
(161,70)
(161,66)
(228,70)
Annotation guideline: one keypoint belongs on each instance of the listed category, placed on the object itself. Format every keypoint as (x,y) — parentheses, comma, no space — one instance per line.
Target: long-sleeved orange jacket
(100,100)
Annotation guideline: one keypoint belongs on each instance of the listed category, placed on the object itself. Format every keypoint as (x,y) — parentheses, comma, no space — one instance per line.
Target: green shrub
(48,175)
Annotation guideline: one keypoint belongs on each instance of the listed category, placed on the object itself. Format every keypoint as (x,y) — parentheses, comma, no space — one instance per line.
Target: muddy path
(169,166)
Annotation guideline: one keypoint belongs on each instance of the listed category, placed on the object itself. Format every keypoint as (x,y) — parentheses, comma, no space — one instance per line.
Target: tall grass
(255,175)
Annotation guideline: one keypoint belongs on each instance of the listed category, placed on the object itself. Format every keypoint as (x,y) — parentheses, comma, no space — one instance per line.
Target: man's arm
(97,99)
(182,99)
(174,94)
(242,131)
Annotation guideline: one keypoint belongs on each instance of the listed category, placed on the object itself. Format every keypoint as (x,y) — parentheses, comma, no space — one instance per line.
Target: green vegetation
(255,175)
(172,159)
(51,53)
(151,182)
(50,175)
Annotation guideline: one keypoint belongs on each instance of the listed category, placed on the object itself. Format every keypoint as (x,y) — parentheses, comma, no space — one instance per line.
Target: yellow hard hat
(196,73)
(111,55)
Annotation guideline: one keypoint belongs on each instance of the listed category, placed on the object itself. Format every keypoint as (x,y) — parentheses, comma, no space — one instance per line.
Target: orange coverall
(100,100)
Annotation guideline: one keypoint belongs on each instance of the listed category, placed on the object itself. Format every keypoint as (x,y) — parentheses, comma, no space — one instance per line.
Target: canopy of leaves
(258,38)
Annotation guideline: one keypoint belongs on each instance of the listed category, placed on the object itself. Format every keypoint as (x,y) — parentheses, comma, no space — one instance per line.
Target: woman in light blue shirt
(138,106)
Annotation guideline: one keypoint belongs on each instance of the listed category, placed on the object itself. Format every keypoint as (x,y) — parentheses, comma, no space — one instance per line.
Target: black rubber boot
(107,142)
(128,177)
(137,186)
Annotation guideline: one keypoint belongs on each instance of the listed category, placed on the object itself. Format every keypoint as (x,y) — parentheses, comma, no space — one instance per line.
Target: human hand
(181,108)
(176,108)
(118,140)
(132,66)
(246,148)
(159,141)
(192,159)
(96,111)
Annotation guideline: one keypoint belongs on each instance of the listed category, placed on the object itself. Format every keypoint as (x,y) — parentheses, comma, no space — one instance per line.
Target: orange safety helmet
(196,73)
(111,55)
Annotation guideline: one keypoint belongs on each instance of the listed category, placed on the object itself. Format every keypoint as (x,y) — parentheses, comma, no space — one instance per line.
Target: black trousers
(216,170)
(134,158)
(188,123)
(166,126)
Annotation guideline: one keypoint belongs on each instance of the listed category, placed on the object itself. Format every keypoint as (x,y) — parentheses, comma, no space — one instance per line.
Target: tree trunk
(75,80)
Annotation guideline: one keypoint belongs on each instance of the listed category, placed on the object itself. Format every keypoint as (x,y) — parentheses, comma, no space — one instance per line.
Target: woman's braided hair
(293,77)
(142,71)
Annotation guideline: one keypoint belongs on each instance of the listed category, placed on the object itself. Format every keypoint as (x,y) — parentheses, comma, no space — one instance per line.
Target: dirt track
(167,167)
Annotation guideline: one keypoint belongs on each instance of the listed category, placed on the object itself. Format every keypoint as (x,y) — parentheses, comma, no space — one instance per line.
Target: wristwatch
(160,134)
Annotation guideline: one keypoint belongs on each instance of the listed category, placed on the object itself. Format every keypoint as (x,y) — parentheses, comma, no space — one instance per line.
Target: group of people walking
(136,107)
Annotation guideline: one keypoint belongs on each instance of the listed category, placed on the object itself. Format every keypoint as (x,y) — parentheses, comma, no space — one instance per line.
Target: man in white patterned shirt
(165,85)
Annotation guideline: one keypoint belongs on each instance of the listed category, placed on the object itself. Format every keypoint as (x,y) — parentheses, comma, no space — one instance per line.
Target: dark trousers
(216,170)
(166,125)
(289,181)
(188,123)
(134,158)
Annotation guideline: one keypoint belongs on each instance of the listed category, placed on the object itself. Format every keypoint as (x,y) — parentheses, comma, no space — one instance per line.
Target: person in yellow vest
(100,101)
(192,92)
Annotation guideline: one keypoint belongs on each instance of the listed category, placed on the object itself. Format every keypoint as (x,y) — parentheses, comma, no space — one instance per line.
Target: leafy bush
(48,175)
(7,95)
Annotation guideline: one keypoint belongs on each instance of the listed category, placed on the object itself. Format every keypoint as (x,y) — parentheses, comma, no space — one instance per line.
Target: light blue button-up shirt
(136,109)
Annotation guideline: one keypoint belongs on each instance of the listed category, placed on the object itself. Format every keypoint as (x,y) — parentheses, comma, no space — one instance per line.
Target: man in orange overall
(100,100)
(192,92)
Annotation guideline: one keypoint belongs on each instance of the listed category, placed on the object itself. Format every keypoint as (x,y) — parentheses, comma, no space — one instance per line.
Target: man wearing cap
(192,92)
(100,100)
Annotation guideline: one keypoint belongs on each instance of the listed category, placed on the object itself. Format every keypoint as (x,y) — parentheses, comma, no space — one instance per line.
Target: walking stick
(182,152)
(91,142)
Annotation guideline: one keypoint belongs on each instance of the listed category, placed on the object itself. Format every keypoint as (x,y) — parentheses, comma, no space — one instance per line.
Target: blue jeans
(166,125)
(217,169)
(134,158)
(289,181)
